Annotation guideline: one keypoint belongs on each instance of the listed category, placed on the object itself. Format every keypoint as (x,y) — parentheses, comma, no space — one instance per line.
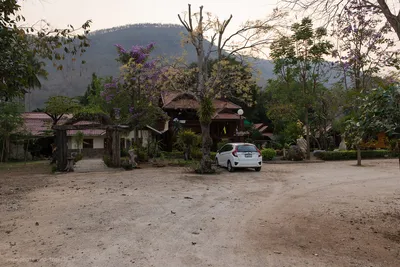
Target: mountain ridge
(101,57)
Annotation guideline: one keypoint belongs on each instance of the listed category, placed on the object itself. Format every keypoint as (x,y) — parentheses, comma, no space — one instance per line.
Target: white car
(239,155)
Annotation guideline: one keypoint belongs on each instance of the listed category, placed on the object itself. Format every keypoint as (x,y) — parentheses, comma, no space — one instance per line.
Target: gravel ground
(323,214)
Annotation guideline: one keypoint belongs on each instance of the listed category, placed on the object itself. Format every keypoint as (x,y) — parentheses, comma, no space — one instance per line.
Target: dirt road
(325,214)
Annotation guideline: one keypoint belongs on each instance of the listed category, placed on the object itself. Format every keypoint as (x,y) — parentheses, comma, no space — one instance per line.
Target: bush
(196,155)
(295,153)
(125,164)
(268,153)
(141,154)
(352,154)
(172,155)
(107,160)
(124,153)
(78,157)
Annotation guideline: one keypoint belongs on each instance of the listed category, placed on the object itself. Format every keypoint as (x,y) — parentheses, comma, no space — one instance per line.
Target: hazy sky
(111,13)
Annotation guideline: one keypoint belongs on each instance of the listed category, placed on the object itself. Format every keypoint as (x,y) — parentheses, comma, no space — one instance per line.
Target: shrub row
(179,155)
(268,153)
(352,154)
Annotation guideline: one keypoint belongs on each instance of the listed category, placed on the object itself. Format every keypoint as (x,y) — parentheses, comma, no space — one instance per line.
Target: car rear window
(246,148)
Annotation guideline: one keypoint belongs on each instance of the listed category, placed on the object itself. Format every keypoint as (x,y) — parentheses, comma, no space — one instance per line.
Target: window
(246,148)
(87,143)
(226,148)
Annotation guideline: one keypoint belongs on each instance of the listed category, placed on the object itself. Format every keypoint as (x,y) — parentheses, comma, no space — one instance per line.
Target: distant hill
(100,58)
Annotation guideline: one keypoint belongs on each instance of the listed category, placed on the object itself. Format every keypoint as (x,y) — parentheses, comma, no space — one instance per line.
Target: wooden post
(113,148)
(116,157)
(62,150)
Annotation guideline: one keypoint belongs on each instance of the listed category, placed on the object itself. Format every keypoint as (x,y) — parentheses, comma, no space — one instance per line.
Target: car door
(225,152)
(220,156)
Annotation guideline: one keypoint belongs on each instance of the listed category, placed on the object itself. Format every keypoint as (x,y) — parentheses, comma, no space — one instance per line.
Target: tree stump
(70,165)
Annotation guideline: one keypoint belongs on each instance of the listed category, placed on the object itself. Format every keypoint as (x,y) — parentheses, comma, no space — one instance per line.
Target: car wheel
(216,162)
(230,168)
(258,169)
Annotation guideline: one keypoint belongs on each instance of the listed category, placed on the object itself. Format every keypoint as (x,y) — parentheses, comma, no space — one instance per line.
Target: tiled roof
(173,100)
(87,132)
(37,123)
(268,134)
(263,129)
(226,116)
(258,125)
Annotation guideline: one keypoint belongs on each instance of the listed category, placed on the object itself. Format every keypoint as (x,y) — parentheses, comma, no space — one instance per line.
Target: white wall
(98,142)
(144,134)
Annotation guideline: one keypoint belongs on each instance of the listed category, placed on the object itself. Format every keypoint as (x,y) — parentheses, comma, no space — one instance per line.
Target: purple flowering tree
(364,47)
(328,10)
(133,95)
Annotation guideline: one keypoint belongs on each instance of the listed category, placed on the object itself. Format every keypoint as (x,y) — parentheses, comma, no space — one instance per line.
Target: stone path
(91,165)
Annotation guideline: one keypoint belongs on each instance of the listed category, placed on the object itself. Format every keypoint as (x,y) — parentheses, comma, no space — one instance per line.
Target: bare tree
(202,28)
(329,9)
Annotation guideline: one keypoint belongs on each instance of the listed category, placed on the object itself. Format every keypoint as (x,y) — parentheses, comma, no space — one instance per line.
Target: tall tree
(364,48)
(10,121)
(327,10)
(56,107)
(202,26)
(299,61)
(20,48)
(134,94)
(379,111)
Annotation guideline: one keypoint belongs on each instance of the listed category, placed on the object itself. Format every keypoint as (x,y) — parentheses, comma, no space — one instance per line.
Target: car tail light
(234,153)
(259,152)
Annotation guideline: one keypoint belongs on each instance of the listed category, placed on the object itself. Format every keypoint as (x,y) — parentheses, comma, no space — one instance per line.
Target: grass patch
(29,167)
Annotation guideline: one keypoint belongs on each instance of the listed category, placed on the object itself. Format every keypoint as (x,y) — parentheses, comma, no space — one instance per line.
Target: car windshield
(246,148)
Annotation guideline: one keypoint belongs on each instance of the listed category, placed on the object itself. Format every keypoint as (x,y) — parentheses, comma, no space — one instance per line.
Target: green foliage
(268,153)
(206,110)
(54,168)
(142,154)
(58,106)
(125,164)
(187,139)
(124,153)
(352,154)
(78,157)
(178,155)
(378,111)
(79,136)
(11,122)
(154,148)
(293,131)
(21,48)
(297,90)
(107,161)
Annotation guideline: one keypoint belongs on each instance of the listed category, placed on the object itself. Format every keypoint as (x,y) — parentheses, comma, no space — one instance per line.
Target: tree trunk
(358,156)
(307,135)
(392,18)
(206,162)
(398,150)
(136,137)
(2,150)
(61,149)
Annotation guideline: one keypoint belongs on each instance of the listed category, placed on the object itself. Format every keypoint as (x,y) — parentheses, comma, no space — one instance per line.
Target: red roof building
(183,107)
(39,124)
